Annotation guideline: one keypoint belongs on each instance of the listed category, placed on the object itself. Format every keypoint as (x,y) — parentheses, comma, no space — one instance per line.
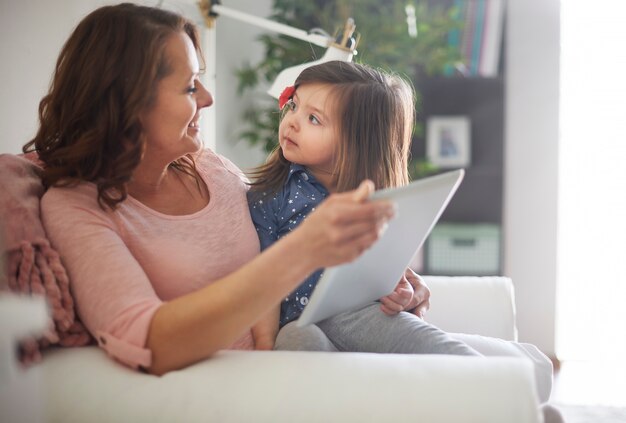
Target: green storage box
(463,249)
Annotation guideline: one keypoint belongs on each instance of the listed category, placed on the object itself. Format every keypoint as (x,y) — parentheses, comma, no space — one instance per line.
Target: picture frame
(448,141)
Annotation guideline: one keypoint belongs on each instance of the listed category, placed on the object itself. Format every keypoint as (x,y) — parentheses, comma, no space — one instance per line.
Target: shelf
(479,199)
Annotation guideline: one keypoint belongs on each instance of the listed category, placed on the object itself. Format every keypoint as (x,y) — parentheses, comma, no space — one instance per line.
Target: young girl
(343,123)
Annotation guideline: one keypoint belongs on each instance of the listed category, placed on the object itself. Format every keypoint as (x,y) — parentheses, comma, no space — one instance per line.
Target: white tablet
(376,273)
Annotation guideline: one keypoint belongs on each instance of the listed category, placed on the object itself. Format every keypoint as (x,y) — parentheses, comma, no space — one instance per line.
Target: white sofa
(83,385)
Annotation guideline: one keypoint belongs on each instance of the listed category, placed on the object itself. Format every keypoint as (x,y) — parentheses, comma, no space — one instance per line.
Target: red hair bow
(285,96)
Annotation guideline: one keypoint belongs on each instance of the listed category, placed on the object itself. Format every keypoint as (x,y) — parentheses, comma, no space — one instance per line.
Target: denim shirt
(276,214)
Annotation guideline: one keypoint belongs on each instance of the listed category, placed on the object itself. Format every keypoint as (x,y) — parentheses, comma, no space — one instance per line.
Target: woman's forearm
(195,326)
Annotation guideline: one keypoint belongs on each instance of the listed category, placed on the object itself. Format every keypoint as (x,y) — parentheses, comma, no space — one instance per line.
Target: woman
(154,231)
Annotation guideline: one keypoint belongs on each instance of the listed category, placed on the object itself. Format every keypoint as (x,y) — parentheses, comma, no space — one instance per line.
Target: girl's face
(308,132)
(172,124)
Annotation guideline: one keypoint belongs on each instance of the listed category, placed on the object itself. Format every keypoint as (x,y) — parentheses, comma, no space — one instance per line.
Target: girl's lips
(289,141)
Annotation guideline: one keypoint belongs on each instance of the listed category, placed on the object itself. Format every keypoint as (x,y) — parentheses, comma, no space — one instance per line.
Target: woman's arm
(420,302)
(411,294)
(195,326)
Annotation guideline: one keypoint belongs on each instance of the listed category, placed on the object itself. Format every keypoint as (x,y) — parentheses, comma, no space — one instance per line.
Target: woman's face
(172,124)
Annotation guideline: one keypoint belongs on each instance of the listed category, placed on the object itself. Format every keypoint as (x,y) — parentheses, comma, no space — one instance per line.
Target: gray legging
(370,330)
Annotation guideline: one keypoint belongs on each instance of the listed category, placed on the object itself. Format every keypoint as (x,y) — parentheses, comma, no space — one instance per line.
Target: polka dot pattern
(276,214)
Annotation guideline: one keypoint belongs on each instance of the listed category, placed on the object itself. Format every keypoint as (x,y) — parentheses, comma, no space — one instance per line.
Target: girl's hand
(344,226)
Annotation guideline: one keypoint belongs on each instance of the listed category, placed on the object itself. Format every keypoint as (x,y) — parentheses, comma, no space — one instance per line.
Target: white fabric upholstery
(286,386)
(83,385)
(468,304)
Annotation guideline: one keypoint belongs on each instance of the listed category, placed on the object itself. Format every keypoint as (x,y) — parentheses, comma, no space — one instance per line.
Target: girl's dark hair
(376,111)
(106,75)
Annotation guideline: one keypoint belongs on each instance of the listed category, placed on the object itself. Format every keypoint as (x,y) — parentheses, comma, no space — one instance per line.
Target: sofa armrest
(476,305)
(279,386)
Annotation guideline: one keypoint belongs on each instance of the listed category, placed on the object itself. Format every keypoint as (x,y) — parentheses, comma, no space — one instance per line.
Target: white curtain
(591,286)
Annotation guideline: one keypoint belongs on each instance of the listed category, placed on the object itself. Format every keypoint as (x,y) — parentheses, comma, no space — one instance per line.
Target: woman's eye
(314,120)
(192,90)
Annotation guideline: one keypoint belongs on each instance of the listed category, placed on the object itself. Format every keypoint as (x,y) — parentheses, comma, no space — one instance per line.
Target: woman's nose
(203,96)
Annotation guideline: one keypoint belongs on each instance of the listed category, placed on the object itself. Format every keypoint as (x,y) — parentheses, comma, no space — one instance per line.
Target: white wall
(236,45)
(32,33)
(592,151)
(531,159)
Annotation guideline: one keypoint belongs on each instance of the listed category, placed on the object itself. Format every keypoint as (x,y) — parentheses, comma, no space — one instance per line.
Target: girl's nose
(292,119)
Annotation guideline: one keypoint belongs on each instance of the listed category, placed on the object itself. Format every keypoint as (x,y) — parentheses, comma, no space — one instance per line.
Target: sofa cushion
(471,304)
(82,384)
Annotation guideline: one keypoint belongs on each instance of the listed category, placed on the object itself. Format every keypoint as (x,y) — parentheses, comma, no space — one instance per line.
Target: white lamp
(336,50)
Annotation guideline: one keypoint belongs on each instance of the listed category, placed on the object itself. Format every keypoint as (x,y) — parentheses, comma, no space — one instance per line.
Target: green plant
(385,43)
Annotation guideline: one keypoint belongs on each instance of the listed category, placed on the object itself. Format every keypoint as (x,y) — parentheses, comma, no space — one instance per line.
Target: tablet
(377,271)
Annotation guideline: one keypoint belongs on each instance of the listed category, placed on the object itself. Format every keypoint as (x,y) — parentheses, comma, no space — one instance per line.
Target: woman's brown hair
(105,77)
(376,111)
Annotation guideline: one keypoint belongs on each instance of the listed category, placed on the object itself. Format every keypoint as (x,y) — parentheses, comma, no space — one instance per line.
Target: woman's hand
(411,294)
(420,302)
(399,299)
(344,226)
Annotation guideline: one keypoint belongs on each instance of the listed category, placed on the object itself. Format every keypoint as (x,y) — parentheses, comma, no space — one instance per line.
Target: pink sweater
(122,265)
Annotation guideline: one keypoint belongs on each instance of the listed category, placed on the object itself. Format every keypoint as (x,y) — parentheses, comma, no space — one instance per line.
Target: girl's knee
(308,338)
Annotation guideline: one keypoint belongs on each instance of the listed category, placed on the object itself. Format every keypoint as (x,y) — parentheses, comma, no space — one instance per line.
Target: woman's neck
(169,191)
(148,179)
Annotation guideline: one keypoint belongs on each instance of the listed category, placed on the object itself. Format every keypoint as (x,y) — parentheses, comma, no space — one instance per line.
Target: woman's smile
(194,126)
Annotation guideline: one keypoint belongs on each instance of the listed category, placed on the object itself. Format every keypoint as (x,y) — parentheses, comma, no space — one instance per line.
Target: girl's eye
(192,90)
(291,105)
(314,120)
